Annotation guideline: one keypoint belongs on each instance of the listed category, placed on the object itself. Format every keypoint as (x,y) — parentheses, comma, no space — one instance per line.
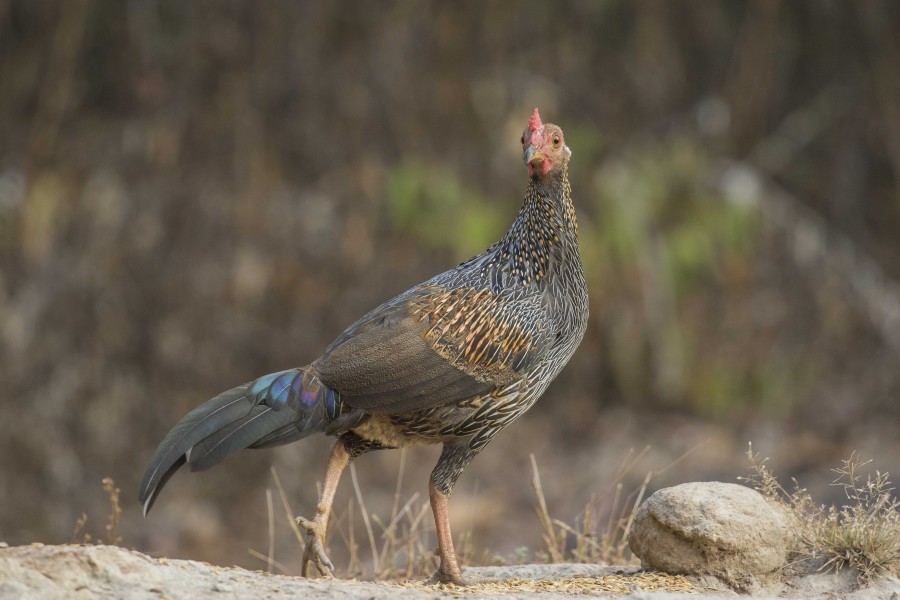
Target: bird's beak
(531,155)
(537,159)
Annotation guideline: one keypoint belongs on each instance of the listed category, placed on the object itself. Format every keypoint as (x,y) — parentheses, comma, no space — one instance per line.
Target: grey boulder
(711,528)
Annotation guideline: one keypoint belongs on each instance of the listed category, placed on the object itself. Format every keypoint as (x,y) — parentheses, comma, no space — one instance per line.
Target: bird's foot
(315,548)
(451,575)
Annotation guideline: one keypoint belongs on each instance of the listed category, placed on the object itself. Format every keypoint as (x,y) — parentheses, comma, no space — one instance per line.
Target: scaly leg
(448,571)
(315,529)
(454,458)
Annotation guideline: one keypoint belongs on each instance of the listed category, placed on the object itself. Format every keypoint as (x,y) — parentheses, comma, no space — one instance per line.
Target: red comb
(534,123)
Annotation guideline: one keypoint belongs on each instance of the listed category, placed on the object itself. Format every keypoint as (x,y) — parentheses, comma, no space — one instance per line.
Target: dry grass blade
(355,564)
(270,562)
(399,516)
(292,519)
(399,486)
(115,512)
(419,558)
(552,543)
(611,521)
(579,535)
(637,502)
(80,524)
(365,515)
(390,543)
(271,515)
(683,456)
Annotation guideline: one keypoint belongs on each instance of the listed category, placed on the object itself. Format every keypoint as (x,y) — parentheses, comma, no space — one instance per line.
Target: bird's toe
(315,548)
(442,576)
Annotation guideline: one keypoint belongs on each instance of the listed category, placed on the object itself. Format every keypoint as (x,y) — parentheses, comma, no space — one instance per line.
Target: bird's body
(453,360)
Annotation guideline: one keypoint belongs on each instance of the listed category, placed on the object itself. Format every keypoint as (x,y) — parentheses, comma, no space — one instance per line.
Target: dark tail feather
(275,409)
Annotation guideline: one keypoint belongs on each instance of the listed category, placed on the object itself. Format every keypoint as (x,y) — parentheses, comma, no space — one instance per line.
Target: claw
(315,548)
(444,576)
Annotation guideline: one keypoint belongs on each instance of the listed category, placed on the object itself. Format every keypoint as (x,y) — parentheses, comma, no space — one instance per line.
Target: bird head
(543,147)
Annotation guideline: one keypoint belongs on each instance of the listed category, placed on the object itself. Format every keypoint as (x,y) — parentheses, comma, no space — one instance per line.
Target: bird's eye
(555,141)
(522,141)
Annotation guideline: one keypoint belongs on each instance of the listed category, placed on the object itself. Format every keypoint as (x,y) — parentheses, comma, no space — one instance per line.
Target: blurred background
(193,194)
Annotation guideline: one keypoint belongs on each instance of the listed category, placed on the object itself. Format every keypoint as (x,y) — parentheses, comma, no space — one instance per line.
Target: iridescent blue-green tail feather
(276,409)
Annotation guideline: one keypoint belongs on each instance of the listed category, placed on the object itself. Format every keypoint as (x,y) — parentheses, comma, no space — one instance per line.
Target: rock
(712,528)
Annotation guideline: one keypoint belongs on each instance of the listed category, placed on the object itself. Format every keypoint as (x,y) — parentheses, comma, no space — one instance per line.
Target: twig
(544,515)
(271,513)
(287,509)
(389,539)
(275,563)
(578,534)
(115,514)
(355,564)
(683,456)
(612,512)
(637,502)
(365,514)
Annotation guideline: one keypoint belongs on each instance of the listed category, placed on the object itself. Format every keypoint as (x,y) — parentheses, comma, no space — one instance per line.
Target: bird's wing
(430,347)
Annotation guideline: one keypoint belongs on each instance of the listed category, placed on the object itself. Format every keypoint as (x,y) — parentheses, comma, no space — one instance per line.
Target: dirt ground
(86,571)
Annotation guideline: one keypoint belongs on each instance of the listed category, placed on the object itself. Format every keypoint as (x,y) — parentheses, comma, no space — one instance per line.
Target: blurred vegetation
(193,194)
(437,208)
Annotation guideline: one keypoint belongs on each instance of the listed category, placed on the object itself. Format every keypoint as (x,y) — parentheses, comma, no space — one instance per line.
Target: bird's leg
(315,528)
(448,571)
(453,460)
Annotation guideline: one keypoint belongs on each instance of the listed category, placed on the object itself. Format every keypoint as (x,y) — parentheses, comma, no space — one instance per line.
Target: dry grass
(399,546)
(402,544)
(590,542)
(863,534)
(592,539)
(112,537)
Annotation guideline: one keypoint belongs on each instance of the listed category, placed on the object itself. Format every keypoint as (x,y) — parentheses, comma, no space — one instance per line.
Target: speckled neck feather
(545,229)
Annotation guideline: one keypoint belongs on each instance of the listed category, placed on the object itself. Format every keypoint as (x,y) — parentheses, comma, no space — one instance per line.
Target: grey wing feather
(382,365)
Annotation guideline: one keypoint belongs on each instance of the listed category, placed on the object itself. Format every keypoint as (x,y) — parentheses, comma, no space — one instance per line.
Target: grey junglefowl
(453,360)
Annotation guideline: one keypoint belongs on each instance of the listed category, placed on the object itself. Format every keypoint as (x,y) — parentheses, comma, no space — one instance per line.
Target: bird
(451,361)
